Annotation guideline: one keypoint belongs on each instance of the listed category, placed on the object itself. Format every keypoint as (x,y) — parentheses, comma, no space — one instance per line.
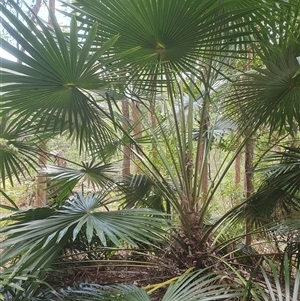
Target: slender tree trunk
(52,8)
(126,148)
(36,8)
(41,185)
(249,154)
(237,169)
(137,130)
(249,187)
(153,124)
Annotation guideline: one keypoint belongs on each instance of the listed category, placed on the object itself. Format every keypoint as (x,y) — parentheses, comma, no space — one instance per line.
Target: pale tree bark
(126,148)
(137,130)
(52,8)
(153,125)
(36,8)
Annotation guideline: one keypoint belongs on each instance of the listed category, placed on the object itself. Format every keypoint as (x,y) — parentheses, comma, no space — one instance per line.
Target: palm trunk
(204,168)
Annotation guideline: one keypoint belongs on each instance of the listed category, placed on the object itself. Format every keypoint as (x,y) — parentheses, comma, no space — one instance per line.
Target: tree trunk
(153,125)
(137,130)
(41,185)
(249,187)
(36,8)
(126,148)
(52,8)
(237,170)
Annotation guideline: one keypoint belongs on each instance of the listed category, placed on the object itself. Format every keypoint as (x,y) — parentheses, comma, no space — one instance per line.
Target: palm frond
(269,95)
(201,285)
(278,195)
(35,243)
(95,292)
(172,38)
(62,180)
(61,72)
(18,150)
(275,288)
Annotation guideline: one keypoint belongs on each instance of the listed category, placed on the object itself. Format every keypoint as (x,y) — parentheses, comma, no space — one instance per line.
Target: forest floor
(119,269)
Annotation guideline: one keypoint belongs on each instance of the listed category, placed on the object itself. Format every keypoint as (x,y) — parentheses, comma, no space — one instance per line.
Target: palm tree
(166,50)
(179,49)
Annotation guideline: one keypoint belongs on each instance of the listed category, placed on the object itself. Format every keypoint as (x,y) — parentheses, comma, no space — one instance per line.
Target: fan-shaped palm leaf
(96,292)
(173,36)
(62,180)
(18,150)
(34,244)
(201,285)
(269,95)
(48,88)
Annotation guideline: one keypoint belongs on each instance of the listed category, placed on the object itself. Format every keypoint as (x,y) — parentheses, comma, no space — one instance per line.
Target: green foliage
(150,52)
(33,239)
(282,287)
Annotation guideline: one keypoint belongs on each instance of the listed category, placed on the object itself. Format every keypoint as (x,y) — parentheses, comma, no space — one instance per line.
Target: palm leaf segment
(48,88)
